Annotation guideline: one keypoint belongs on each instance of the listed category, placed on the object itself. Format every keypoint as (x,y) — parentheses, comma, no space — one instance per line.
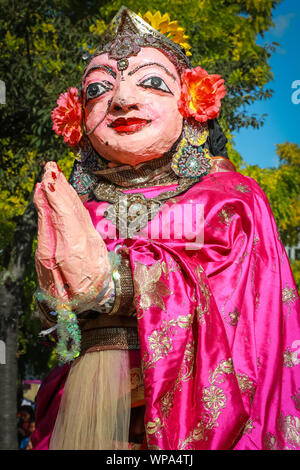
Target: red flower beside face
(201,94)
(67,117)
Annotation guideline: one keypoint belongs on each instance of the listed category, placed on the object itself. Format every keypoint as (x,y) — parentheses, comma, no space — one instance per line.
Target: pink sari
(218,325)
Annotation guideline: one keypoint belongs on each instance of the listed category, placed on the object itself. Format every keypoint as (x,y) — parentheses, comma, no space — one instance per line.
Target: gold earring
(192,159)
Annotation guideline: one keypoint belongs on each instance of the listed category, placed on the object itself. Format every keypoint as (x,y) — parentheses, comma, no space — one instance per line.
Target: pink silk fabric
(218,322)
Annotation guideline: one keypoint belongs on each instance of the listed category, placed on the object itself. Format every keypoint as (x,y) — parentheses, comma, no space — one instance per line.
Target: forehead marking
(122,64)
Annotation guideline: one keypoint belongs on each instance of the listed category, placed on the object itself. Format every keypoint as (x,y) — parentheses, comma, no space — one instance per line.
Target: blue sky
(258,146)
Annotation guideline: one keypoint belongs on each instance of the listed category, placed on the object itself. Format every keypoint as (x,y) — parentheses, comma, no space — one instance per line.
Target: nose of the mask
(123,98)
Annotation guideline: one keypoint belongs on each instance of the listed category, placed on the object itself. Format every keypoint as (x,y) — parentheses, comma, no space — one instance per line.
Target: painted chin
(137,141)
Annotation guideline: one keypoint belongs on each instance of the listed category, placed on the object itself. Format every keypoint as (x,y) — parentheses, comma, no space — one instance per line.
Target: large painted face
(131,116)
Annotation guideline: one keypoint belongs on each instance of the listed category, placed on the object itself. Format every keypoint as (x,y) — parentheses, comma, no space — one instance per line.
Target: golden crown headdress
(128,32)
(169,28)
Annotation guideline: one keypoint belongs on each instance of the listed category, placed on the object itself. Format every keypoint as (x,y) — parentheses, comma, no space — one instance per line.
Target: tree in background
(281,185)
(40,55)
(42,43)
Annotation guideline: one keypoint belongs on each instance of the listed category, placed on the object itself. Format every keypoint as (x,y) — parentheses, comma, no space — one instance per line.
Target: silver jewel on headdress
(128,33)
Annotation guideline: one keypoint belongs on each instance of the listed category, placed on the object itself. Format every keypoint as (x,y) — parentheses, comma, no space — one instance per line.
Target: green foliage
(295,265)
(281,186)
(35,357)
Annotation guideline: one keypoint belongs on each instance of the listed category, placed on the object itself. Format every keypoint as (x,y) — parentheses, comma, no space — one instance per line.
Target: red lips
(128,125)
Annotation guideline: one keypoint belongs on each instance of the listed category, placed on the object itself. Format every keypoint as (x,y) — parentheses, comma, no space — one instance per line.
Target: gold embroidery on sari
(243,188)
(253,284)
(185,373)
(160,341)
(234,317)
(248,427)
(203,308)
(247,386)
(256,240)
(290,428)
(149,288)
(289,295)
(166,402)
(289,434)
(225,367)
(214,400)
(296,399)
(170,267)
(199,269)
(256,300)
(153,426)
(290,358)
(226,214)
(225,217)
(269,442)
(258,362)
(242,258)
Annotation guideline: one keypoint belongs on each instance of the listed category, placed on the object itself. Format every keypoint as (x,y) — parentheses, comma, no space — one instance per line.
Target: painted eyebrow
(148,65)
(101,67)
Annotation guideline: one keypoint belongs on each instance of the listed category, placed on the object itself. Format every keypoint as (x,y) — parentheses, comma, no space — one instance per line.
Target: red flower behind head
(67,117)
(201,94)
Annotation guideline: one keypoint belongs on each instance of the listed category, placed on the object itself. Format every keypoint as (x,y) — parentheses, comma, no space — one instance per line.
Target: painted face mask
(132,116)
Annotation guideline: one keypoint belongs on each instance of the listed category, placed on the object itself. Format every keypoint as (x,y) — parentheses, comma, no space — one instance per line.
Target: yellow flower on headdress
(171,29)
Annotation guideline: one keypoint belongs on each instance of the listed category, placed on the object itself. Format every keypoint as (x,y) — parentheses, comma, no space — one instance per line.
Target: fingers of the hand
(80,242)
(38,197)
(49,167)
(64,200)
(51,280)
(69,213)
(57,189)
(80,251)
(50,176)
(46,245)
(82,263)
(60,194)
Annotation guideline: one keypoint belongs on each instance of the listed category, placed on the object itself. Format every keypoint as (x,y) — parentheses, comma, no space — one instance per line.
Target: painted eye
(94,90)
(155,82)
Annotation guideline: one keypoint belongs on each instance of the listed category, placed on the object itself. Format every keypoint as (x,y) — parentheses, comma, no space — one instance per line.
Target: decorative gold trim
(100,339)
(124,290)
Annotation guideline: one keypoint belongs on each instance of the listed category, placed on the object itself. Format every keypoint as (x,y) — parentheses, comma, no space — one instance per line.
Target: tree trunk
(11,293)
(8,387)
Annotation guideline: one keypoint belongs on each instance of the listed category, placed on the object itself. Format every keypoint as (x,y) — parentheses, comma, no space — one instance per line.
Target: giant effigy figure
(161,272)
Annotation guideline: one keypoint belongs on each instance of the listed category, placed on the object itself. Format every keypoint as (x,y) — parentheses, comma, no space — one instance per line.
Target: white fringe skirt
(94,413)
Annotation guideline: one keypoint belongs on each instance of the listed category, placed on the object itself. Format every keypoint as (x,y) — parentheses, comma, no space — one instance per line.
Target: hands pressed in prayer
(71,257)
